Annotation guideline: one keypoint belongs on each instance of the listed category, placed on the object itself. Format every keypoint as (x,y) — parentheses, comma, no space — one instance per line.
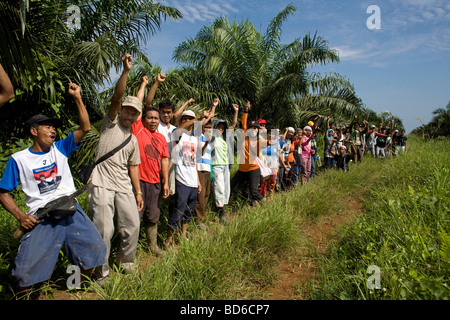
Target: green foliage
(438,127)
(41,55)
(404,232)
(235,62)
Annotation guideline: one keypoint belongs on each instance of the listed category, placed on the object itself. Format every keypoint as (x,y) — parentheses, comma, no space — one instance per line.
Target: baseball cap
(310,123)
(290,129)
(262,121)
(40,118)
(134,102)
(254,124)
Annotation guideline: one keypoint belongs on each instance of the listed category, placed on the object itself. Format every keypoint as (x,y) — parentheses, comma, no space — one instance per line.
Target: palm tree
(234,61)
(439,126)
(41,55)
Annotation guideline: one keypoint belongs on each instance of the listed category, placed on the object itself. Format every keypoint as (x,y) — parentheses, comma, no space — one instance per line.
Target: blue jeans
(329,162)
(39,248)
(296,173)
(313,166)
(184,208)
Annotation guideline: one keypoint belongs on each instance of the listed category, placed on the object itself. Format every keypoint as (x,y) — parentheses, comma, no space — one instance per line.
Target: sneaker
(127,267)
(99,283)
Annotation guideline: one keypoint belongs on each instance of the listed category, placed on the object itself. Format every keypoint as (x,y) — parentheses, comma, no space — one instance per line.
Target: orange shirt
(248,145)
(294,144)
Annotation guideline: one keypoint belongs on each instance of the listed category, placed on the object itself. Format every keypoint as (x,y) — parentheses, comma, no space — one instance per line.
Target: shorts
(39,248)
(151,193)
(185,199)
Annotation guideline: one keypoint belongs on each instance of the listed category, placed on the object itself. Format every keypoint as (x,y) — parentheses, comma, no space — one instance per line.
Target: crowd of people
(167,153)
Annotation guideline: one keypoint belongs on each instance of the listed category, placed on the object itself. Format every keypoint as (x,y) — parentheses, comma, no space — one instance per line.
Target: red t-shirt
(152,148)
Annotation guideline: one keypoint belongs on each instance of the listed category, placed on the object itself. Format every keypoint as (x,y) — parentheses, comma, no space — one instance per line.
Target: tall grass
(404,231)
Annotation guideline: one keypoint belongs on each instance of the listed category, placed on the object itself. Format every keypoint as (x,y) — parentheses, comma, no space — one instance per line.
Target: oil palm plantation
(41,54)
(234,61)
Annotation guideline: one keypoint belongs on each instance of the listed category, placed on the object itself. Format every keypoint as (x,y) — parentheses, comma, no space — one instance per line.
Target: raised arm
(180,110)
(6,87)
(83,117)
(141,91)
(316,124)
(235,116)
(119,91)
(212,111)
(160,78)
(186,125)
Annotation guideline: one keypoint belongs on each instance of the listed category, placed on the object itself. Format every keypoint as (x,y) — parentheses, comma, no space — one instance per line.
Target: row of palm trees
(438,127)
(230,60)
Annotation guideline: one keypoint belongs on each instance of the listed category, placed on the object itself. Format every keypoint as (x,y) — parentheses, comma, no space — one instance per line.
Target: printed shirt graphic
(44,176)
(47,178)
(186,152)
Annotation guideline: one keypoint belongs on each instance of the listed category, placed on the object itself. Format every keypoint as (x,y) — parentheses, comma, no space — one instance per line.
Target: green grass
(403,230)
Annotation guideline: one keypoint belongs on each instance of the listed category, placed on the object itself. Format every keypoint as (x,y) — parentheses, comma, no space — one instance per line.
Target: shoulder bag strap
(112,152)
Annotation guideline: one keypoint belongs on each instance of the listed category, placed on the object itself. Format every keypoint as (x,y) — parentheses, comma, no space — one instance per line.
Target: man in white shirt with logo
(43,238)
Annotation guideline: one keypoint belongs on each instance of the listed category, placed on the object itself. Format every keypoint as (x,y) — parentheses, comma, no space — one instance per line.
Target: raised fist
(127,61)
(161,77)
(74,90)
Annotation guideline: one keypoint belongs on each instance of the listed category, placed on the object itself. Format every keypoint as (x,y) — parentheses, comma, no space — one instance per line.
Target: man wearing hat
(262,125)
(35,168)
(116,187)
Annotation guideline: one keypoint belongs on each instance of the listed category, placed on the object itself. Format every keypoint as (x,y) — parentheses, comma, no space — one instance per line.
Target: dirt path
(297,270)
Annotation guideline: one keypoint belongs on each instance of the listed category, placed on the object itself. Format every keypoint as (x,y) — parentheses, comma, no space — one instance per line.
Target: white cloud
(206,11)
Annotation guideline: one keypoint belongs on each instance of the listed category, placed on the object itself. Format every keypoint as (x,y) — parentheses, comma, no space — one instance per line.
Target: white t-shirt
(44,176)
(186,160)
(167,133)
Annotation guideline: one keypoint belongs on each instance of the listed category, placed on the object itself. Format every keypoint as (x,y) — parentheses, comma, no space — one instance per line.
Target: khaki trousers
(104,204)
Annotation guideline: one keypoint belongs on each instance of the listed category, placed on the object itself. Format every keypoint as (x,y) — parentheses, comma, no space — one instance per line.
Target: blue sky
(404,67)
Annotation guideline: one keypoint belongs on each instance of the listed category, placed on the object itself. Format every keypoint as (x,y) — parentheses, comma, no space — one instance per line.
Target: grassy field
(403,230)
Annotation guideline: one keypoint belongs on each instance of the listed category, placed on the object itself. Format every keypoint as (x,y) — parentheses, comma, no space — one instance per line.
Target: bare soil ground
(296,271)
